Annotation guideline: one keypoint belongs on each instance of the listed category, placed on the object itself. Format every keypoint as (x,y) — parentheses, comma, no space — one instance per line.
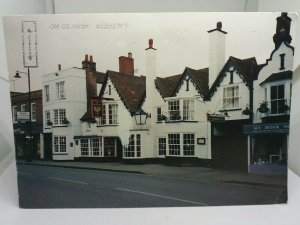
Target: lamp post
(28,151)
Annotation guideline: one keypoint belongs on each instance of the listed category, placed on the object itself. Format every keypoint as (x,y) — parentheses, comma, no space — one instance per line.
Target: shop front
(22,140)
(267,148)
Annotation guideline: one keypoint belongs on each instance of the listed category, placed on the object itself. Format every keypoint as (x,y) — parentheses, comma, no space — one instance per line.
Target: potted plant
(163,118)
(284,108)
(176,116)
(247,111)
(49,123)
(66,121)
(263,107)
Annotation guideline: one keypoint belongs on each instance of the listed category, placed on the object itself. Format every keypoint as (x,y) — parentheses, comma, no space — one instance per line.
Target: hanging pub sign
(215,117)
(96,108)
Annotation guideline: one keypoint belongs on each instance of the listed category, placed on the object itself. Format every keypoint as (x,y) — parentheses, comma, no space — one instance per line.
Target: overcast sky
(181,40)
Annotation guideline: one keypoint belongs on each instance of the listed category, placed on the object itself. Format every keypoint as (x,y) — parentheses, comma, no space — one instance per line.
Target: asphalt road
(52,187)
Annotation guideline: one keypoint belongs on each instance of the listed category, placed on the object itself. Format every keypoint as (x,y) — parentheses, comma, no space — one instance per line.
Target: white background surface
(10,214)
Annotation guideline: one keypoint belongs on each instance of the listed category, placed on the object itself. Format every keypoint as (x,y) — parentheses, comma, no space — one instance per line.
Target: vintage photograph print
(151,110)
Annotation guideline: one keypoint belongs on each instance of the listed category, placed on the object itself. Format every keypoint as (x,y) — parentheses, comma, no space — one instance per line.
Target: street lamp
(28,154)
(141,116)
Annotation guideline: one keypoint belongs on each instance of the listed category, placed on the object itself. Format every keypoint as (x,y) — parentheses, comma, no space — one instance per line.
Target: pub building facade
(197,115)
(20,118)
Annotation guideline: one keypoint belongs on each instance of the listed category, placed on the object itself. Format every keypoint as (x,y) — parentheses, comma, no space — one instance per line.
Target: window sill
(108,125)
(232,109)
(58,153)
(59,126)
(182,121)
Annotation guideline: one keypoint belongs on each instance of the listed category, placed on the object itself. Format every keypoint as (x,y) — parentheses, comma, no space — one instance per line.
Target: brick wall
(18,99)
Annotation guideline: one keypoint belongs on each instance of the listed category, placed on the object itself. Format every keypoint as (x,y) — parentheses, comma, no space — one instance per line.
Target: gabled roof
(100,77)
(169,86)
(131,89)
(248,71)
(284,75)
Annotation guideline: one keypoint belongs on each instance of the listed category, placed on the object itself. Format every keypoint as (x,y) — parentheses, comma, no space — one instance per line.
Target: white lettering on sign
(29,43)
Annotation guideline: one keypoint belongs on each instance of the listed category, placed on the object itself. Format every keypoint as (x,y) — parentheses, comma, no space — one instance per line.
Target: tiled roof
(284,75)
(169,86)
(131,89)
(248,67)
(248,72)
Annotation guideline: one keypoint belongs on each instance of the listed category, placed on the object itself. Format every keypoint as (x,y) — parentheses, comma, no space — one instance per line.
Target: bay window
(277,99)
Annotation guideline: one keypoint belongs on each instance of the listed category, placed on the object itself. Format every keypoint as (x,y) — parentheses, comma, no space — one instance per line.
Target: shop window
(231,97)
(96,146)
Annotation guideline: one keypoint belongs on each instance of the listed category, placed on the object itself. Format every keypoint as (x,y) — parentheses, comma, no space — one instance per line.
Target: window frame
(162,146)
(59,144)
(234,98)
(279,101)
(60,90)
(47,93)
(133,149)
(33,111)
(14,113)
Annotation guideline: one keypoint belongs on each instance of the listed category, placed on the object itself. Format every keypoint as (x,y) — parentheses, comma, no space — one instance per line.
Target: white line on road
(24,173)
(68,180)
(161,196)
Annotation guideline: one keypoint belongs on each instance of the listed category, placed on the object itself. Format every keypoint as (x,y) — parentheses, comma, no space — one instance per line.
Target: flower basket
(263,107)
(247,112)
(49,123)
(66,121)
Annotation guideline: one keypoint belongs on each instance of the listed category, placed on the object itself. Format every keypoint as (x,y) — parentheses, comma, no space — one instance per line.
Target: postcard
(151,110)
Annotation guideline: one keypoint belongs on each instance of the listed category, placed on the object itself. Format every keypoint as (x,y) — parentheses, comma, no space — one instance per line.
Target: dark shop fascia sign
(272,128)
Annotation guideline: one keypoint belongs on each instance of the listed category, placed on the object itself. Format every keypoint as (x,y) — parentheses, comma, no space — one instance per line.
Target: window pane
(280,91)
(273,92)
(84,146)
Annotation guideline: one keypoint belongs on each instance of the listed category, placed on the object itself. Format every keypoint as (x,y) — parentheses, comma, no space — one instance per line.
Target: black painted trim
(229,110)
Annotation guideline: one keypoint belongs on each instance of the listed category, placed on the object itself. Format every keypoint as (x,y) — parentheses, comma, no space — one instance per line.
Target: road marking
(161,196)
(68,180)
(24,173)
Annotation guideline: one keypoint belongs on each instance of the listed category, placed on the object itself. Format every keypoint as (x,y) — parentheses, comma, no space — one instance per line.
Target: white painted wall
(216,103)
(272,66)
(75,104)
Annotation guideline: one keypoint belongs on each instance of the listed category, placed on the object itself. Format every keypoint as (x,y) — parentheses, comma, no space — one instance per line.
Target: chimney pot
(59,66)
(86,58)
(91,58)
(150,43)
(219,25)
(129,55)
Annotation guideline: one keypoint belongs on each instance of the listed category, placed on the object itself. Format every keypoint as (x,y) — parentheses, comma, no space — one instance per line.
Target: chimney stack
(59,66)
(126,64)
(282,30)
(216,52)
(88,63)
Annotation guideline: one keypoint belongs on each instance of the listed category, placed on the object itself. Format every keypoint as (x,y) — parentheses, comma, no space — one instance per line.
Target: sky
(181,40)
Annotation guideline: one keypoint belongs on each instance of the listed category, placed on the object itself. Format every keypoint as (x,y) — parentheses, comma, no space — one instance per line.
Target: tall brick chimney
(88,63)
(126,64)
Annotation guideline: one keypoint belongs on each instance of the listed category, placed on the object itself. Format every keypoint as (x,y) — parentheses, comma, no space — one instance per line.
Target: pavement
(194,173)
